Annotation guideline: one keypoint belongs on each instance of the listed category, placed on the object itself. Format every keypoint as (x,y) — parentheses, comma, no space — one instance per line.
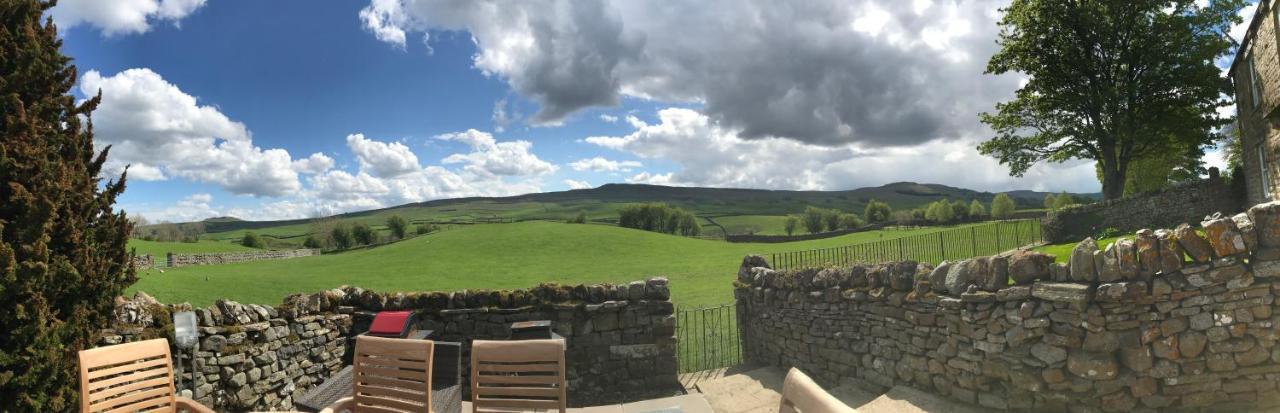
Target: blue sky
(286,109)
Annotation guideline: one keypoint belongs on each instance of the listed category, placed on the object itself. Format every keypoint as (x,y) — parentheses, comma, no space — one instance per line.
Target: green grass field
(159,249)
(1063,251)
(492,256)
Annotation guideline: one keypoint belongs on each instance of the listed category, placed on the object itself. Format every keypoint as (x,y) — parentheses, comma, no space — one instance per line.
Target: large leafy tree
(62,246)
(1111,81)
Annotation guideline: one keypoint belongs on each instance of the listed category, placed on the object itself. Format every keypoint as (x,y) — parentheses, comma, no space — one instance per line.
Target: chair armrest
(343,404)
(183,403)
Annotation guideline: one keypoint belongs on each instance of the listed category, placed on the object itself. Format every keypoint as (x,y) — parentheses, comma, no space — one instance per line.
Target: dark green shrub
(877,212)
(813,219)
(398,226)
(581,218)
(341,236)
(312,242)
(791,224)
(63,258)
(252,240)
(832,218)
(363,234)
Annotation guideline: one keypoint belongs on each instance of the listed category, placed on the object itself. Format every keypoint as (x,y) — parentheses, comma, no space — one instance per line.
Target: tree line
(815,220)
(659,217)
(333,234)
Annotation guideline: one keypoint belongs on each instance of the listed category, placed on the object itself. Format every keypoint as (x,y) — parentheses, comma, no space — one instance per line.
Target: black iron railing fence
(934,247)
(707,338)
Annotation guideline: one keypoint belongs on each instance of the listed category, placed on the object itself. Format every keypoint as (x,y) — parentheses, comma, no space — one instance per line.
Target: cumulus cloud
(711,155)
(384,159)
(875,72)
(600,164)
(165,133)
(492,158)
(121,16)
(314,164)
(575,184)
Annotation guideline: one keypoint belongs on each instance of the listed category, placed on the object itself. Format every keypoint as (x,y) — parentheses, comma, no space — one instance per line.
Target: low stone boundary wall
(771,239)
(144,261)
(1131,327)
(621,338)
(183,260)
(1185,202)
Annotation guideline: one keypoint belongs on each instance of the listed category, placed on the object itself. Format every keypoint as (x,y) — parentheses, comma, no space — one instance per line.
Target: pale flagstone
(757,391)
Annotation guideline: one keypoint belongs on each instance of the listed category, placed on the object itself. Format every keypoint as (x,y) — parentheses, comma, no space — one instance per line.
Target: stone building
(1256,76)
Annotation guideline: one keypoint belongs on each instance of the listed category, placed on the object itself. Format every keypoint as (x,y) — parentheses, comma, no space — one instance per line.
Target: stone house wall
(1258,118)
(183,260)
(1184,202)
(620,338)
(1134,327)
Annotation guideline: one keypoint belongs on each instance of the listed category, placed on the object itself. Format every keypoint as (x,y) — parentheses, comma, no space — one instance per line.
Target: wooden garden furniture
(389,375)
(800,393)
(523,375)
(131,377)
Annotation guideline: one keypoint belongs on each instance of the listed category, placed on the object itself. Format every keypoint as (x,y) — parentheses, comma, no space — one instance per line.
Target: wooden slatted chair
(131,377)
(390,375)
(800,393)
(522,374)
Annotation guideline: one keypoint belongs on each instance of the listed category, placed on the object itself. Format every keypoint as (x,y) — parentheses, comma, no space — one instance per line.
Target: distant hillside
(601,203)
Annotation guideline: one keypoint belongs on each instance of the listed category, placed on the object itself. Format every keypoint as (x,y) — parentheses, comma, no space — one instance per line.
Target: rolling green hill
(491,256)
(739,210)
(159,249)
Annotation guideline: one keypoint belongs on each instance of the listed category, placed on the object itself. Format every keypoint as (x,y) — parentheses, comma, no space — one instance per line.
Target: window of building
(1255,92)
(1262,165)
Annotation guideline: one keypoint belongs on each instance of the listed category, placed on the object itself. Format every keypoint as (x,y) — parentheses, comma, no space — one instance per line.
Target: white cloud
(879,73)
(384,159)
(600,164)
(116,17)
(574,184)
(193,207)
(711,155)
(609,118)
(314,164)
(492,158)
(164,133)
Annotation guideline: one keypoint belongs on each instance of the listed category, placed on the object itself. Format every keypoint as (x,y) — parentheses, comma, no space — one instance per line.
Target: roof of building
(1248,34)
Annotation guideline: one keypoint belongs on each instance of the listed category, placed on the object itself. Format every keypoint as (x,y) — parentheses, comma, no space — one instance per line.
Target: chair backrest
(127,377)
(520,374)
(391,375)
(800,393)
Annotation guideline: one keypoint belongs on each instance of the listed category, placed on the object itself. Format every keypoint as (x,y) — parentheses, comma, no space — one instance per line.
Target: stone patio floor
(757,391)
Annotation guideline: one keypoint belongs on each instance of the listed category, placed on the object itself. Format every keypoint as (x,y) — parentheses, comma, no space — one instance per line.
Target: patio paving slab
(757,391)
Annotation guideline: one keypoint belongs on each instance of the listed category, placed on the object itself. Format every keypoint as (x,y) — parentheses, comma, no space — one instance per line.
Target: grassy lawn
(491,256)
(1063,251)
(159,249)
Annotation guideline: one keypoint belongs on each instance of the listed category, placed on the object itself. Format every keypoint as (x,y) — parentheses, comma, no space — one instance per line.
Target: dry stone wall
(1170,320)
(620,338)
(1185,202)
(183,260)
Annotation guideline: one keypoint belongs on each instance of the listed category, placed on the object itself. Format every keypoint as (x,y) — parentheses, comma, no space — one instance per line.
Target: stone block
(1092,366)
(1027,266)
(1126,255)
(1081,265)
(1224,236)
(1070,293)
(1148,249)
(1196,246)
(1170,252)
(1266,223)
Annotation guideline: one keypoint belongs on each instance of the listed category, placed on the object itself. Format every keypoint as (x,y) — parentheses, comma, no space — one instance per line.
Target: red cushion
(389,323)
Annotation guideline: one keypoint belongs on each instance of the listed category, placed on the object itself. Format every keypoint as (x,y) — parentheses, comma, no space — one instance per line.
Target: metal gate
(708,338)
